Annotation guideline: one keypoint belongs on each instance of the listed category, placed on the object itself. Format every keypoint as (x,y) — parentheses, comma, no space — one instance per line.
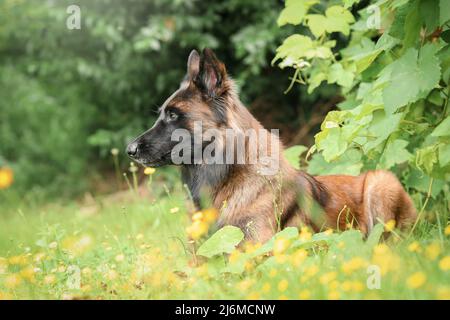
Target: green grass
(137,249)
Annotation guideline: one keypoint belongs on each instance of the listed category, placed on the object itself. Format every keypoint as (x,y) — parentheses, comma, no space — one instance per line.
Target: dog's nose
(132,149)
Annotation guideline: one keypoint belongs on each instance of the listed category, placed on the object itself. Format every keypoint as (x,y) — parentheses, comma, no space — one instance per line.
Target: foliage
(69,96)
(394,74)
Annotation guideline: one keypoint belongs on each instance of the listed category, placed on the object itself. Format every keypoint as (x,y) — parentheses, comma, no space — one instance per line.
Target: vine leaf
(223,241)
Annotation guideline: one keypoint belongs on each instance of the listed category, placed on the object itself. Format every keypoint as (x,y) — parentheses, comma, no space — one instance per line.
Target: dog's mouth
(155,163)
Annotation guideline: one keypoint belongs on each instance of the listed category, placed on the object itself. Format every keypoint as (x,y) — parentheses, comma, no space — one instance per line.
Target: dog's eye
(172,116)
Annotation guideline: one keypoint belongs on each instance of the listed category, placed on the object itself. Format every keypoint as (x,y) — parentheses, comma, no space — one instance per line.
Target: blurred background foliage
(69,96)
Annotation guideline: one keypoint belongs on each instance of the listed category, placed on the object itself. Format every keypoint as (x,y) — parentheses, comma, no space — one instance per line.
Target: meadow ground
(133,248)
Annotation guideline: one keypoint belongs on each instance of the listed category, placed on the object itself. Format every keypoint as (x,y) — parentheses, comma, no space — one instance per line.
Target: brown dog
(260,204)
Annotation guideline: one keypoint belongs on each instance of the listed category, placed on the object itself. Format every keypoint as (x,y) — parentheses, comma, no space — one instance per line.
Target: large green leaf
(293,154)
(294,12)
(395,153)
(443,129)
(412,75)
(223,241)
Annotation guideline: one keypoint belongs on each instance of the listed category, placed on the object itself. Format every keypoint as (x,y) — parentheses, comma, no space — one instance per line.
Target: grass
(135,248)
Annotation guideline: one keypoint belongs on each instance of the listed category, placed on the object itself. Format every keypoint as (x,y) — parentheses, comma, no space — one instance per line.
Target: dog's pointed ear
(193,65)
(212,74)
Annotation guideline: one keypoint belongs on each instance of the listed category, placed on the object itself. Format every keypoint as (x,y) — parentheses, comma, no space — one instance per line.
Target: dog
(259,204)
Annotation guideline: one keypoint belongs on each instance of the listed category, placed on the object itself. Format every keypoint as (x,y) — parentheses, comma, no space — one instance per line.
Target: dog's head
(200,97)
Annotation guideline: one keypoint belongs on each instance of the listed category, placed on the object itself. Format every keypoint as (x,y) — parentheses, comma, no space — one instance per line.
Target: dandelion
(174,210)
(115,151)
(198,216)
(18,260)
(149,171)
(433,250)
(12,281)
(283,285)
(414,247)
(447,230)
(390,225)
(6,178)
(328,232)
(416,280)
(444,264)
(304,295)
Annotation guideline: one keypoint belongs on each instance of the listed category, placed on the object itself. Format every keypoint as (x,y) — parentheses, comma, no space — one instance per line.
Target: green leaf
(340,76)
(349,163)
(294,47)
(293,13)
(336,19)
(287,233)
(444,154)
(426,158)
(331,142)
(395,153)
(443,129)
(381,128)
(293,154)
(223,241)
(375,235)
(444,6)
(411,77)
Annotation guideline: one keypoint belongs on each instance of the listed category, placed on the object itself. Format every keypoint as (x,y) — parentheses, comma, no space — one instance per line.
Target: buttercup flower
(416,280)
(149,171)
(6,178)
(444,264)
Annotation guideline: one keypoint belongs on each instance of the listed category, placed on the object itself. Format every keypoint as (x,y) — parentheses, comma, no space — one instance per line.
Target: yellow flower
(198,216)
(280,246)
(18,260)
(6,178)
(298,257)
(390,225)
(447,230)
(12,281)
(329,231)
(304,295)
(28,274)
(346,286)
(234,256)
(253,296)
(414,247)
(443,293)
(433,250)
(266,287)
(416,280)
(283,285)
(272,273)
(49,279)
(149,171)
(174,210)
(197,229)
(305,234)
(357,286)
(311,271)
(444,264)
(210,215)
(353,265)
(328,277)
(86,271)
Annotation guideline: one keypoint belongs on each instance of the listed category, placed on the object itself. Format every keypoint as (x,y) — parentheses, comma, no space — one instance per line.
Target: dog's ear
(193,65)
(212,74)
